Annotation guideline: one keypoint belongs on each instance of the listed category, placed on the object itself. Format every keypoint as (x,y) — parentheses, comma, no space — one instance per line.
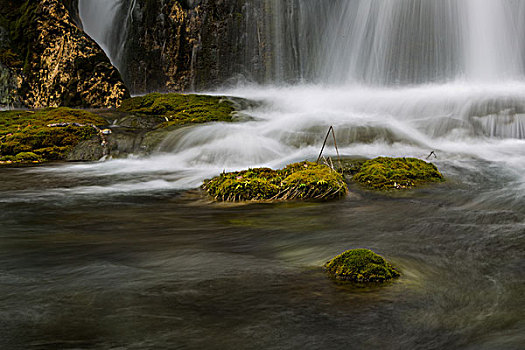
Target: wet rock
(179,45)
(87,150)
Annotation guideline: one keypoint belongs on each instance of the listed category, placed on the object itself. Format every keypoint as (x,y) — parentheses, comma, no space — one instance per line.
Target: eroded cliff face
(180,45)
(51,62)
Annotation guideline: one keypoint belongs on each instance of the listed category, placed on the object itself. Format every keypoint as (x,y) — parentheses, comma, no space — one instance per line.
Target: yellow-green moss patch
(25,136)
(181,109)
(299,181)
(360,266)
(396,173)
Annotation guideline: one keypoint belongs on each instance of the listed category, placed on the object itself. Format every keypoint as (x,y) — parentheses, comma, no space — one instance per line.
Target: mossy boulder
(27,136)
(299,181)
(360,266)
(180,109)
(385,173)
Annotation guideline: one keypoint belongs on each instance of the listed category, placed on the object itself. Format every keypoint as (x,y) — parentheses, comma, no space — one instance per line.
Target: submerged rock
(300,181)
(361,266)
(385,173)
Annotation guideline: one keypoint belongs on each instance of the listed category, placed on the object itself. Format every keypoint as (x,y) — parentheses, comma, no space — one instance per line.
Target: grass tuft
(299,181)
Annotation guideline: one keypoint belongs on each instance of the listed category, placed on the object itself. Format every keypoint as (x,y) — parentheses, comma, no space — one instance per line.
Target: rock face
(10,77)
(178,45)
(49,61)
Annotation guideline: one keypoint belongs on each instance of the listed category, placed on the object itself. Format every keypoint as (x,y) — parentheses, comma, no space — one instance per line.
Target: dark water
(164,269)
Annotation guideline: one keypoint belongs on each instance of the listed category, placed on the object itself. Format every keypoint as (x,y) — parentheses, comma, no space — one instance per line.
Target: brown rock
(62,66)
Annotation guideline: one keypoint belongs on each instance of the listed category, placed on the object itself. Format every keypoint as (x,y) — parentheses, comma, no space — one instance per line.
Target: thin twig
(331,129)
(324,144)
(337,150)
(432,153)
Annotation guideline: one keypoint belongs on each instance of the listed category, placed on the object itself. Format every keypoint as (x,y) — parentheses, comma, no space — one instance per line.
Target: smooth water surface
(167,269)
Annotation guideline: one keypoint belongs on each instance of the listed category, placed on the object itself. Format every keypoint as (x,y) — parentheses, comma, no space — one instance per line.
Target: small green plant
(360,266)
(299,181)
(385,173)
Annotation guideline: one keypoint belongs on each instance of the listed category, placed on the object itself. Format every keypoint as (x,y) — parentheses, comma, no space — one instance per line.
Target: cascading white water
(407,41)
(493,40)
(106,22)
(395,77)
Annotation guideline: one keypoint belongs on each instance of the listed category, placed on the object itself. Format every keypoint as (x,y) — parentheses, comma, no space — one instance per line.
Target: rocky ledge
(84,135)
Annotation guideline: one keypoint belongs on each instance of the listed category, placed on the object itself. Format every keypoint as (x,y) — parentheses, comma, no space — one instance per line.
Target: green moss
(27,131)
(297,181)
(27,157)
(361,266)
(181,109)
(396,173)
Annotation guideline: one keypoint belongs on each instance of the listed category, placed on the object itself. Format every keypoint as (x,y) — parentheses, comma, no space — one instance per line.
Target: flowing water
(121,254)
(127,254)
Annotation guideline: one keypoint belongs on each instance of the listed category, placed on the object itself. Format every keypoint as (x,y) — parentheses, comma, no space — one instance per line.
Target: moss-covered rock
(53,62)
(385,173)
(300,181)
(28,136)
(142,123)
(181,109)
(361,266)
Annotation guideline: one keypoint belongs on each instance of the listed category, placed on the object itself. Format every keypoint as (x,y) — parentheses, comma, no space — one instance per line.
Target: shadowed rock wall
(181,45)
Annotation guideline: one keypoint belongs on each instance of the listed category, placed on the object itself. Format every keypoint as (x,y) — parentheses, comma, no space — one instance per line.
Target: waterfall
(494,40)
(375,42)
(106,21)
(384,42)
